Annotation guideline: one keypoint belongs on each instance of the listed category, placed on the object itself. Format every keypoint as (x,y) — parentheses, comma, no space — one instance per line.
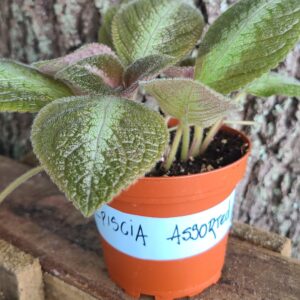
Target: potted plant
(169,186)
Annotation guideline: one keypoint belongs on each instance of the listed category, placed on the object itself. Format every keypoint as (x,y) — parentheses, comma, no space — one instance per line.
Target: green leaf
(274,84)
(104,34)
(51,67)
(142,28)
(248,40)
(96,74)
(189,61)
(24,89)
(95,146)
(146,68)
(189,101)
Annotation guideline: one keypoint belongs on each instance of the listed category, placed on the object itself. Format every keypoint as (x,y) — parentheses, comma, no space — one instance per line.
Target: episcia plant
(91,135)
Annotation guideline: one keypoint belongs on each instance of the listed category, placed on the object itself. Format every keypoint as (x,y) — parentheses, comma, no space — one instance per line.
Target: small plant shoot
(95,138)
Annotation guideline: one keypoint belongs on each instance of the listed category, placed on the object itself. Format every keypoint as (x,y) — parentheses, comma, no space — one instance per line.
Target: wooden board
(40,221)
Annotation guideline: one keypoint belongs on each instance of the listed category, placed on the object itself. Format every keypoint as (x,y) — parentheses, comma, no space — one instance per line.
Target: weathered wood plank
(60,256)
(56,288)
(255,273)
(67,245)
(265,239)
(21,276)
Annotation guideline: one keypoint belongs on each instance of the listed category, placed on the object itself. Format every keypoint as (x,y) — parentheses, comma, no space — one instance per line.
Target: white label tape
(165,238)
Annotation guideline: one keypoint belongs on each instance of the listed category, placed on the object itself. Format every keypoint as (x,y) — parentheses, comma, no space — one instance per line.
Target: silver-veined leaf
(148,27)
(248,40)
(24,89)
(188,101)
(52,66)
(104,34)
(95,146)
(274,84)
(96,74)
(146,68)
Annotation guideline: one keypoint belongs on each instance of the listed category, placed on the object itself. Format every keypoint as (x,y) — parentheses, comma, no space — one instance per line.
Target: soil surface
(225,149)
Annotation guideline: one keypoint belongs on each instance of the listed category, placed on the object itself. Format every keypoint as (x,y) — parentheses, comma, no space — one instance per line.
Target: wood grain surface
(39,220)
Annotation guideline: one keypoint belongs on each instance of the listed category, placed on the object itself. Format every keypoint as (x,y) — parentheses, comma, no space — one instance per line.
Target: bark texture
(32,30)
(269,196)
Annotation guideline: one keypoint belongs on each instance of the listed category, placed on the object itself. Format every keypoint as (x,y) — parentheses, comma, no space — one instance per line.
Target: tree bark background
(268,197)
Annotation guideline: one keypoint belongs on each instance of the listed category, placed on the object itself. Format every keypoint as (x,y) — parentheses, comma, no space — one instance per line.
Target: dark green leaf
(104,35)
(248,40)
(188,101)
(146,68)
(24,89)
(148,27)
(274,84)
(95,146)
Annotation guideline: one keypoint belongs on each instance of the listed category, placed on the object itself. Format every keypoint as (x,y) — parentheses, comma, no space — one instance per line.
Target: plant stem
(235,122)
(16,183)
(240,97)
(210,136)
(135,94)
(185,143)
(197,141)
(174,148)
(173,128)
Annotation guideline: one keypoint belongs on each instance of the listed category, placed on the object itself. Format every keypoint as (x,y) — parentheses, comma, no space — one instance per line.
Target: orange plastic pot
(166,197)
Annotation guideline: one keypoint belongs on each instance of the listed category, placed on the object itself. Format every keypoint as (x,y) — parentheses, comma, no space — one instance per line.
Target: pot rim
(179,177)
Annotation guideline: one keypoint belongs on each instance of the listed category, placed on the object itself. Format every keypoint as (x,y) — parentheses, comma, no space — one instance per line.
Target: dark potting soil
(225,149)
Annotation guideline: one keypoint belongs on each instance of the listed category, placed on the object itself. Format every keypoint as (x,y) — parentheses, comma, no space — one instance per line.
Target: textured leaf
(188,61)
(180,72)
(189,101)
(52,66)
(104,35)
(24,89)
(274,84)
(148,27)
(248,40)
(146,68)
(94,146)
(97,74)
